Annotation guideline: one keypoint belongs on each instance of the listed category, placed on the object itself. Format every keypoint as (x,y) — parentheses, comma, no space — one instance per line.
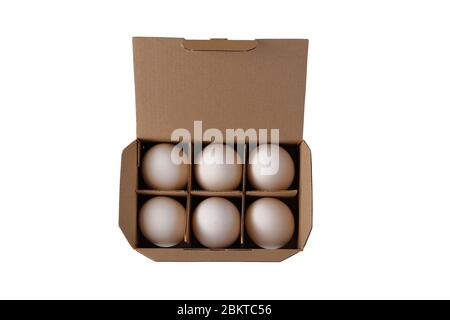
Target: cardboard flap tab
(224,84)
(219,45)
(128,200)
(306,197)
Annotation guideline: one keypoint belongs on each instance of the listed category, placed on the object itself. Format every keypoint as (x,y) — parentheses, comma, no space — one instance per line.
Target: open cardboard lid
(228,84)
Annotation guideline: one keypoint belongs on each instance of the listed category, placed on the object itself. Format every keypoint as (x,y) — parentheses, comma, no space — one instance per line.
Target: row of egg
(212,173)
(216,222)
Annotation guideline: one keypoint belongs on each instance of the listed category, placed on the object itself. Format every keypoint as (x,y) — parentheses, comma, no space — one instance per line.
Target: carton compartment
(239,148)
(289,197)
(195,201)
(293,150)
(142,242)
(144,146)
(291,202)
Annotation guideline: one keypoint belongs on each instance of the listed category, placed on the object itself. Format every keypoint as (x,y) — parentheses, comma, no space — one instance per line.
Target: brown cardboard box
(226,84)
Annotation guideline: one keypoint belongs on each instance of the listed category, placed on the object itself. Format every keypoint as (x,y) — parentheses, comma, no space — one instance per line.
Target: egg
(270,168)
(160,172)
(269,223)
(162,221)
(213,173)
(216,223)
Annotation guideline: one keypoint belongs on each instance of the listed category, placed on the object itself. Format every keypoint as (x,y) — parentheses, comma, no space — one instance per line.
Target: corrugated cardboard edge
(207,255)
(128,196)
(306,196)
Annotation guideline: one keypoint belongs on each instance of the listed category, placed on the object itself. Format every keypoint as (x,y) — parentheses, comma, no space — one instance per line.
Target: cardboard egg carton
(225,84)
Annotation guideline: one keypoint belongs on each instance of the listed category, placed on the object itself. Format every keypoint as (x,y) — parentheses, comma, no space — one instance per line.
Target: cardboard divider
(187,234)
(244,186)
(224,194)
(274,194)
(187,231)
(139,157)
(168,193)
(191,166)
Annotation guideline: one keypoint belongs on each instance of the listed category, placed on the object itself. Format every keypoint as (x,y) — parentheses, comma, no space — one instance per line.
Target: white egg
(214,173)
(216,223)
(269,223)
(160,172)
(270,168)
(162,221)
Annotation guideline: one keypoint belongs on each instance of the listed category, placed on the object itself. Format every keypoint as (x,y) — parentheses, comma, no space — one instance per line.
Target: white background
(377,119)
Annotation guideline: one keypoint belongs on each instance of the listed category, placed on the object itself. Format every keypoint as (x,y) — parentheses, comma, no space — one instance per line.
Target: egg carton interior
(242,197)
